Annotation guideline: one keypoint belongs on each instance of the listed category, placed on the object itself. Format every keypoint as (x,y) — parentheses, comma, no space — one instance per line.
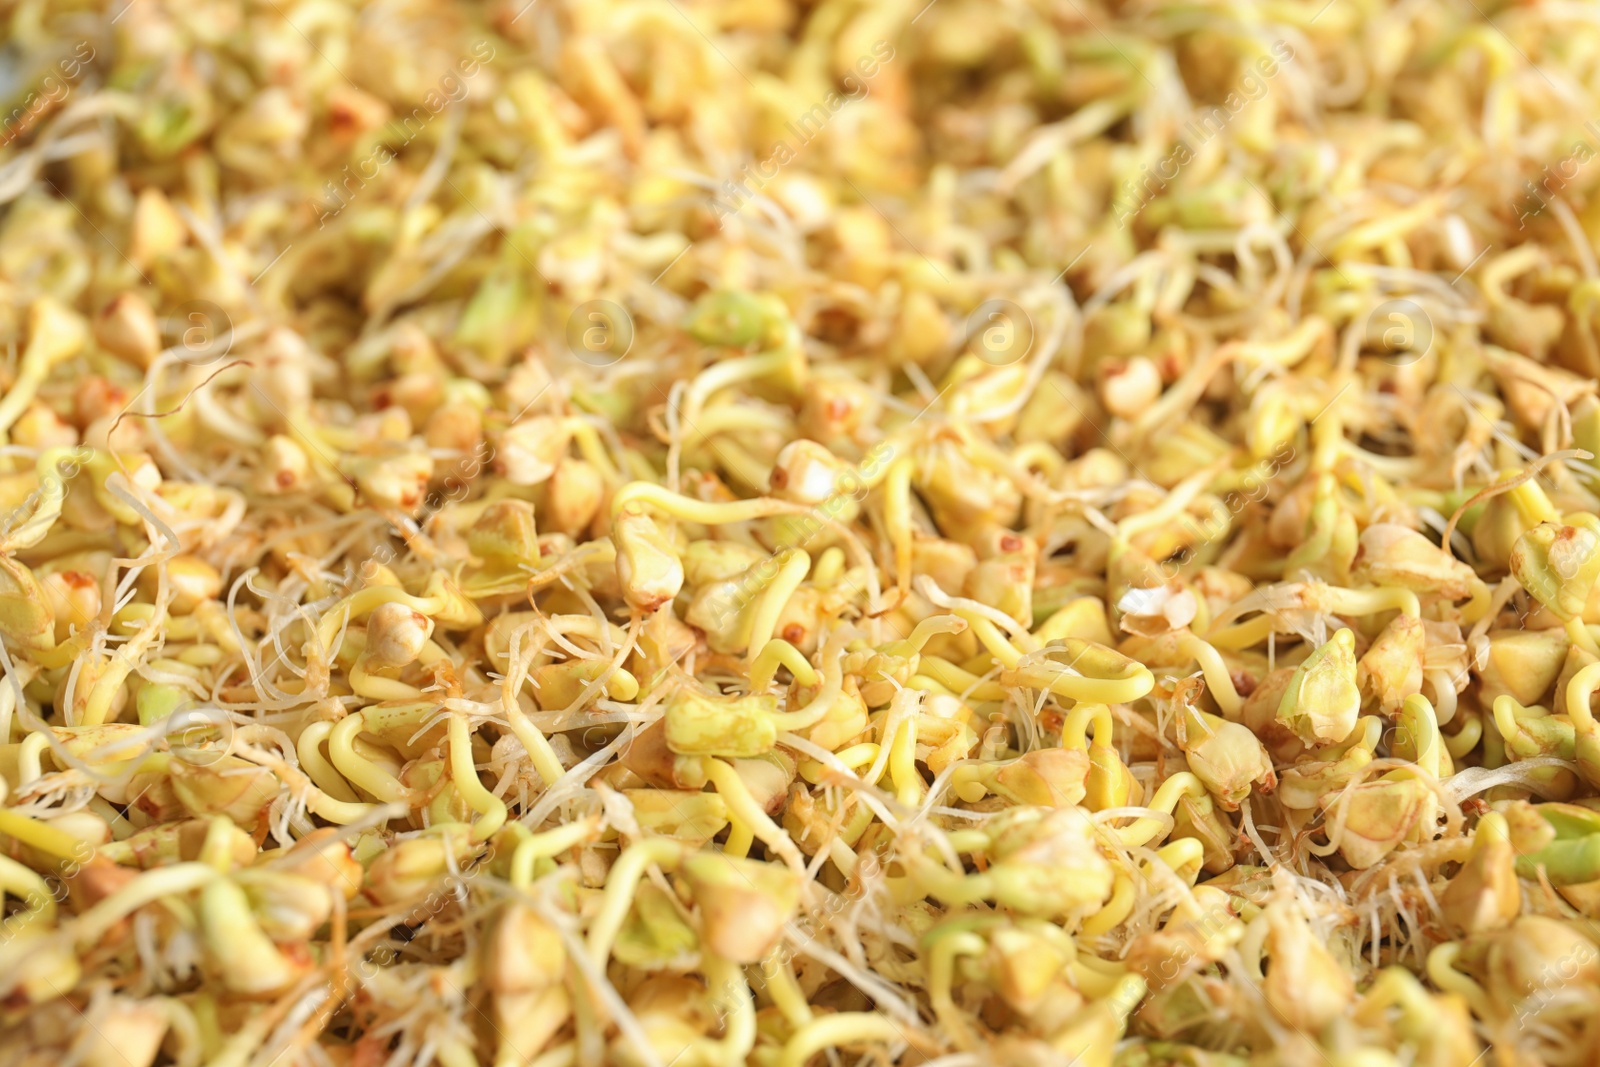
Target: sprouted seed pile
(676,533)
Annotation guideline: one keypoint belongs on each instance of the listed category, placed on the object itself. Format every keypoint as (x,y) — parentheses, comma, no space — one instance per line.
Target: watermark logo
(204,332)
(599,333)
(1400,330)
(999,332)
(200,736)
